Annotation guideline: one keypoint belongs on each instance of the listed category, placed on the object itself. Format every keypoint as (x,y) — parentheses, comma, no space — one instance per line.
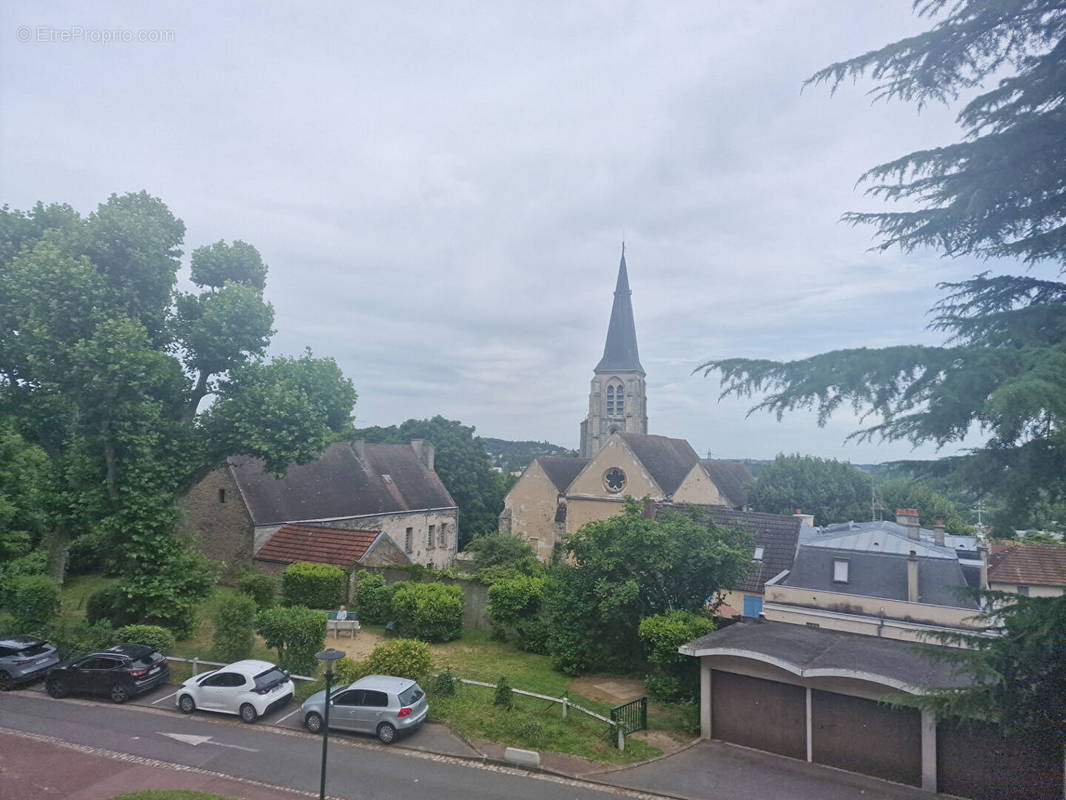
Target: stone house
(1032,570)
(388,488)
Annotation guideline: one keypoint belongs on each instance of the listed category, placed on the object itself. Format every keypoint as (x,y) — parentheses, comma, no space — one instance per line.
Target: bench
(351,624)
(392,628)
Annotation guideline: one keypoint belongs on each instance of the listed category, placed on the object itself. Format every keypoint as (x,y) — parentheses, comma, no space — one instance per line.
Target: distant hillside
(515,456)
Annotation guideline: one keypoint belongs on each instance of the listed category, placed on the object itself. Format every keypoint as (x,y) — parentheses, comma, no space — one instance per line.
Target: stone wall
(216,521)
(475,596)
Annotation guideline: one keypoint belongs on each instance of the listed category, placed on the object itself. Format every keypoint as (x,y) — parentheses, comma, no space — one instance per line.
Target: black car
(120,671)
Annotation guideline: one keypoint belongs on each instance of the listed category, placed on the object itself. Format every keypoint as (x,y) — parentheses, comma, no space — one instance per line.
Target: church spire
(620,351)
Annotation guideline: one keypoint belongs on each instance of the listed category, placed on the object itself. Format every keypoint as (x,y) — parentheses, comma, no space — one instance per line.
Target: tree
(23,487)
(830,490)
(104,366)
(625,568)
(931,505)
(999,193)
(462,464)
(500,550)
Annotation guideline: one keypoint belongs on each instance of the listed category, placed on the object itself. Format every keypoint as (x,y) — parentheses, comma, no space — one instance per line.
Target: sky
(441,190)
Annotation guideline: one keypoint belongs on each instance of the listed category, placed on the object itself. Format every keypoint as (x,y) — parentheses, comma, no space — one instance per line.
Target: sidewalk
(35,769)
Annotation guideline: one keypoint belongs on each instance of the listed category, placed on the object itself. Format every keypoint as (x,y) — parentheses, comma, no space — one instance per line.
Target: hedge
(155,636)
(234,628)
(33,601)
(373,598)
(432,612)
(262,588)
(406,658)
(312,585)
(297,633)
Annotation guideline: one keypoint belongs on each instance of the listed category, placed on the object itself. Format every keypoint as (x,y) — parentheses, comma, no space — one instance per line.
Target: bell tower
(618,401)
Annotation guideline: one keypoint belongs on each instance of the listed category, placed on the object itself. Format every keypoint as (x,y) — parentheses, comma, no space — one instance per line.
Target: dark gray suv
(24,658)
(121,671)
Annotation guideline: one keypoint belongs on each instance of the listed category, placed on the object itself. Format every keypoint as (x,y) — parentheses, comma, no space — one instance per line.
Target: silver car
(24,658)
(380,704)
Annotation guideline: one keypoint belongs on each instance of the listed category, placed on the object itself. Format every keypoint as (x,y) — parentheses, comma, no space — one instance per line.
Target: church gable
(614,472)
(697,487)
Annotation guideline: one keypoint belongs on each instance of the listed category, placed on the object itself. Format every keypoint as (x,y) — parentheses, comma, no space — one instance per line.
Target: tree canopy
(999,193)
(462,464)
(831,490)
(105,366)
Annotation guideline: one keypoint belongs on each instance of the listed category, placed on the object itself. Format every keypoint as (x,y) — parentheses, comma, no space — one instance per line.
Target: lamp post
(327,656)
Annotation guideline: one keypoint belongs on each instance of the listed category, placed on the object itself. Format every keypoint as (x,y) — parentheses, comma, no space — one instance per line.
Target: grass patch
(76,590)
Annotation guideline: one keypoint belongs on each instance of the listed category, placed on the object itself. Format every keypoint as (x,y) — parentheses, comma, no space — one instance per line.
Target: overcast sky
(441,189)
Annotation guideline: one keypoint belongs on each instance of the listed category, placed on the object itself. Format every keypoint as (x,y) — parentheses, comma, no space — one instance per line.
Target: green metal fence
(631,716)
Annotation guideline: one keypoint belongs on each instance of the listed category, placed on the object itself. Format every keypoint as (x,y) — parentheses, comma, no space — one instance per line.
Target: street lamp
(327,656)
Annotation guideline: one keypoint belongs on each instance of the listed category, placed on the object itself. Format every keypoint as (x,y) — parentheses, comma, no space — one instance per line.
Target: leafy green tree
(462,464)
(625,568)
(998,193)
(930,504)
(235,627)
(498,550)
(831,490)
(23,487)
(673,677)
(105,367)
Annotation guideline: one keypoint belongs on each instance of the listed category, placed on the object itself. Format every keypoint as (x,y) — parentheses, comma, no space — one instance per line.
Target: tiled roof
(1043,564)
(732,479)
(339,484)
(667,460)
(561,470)
(814,651)
(775,533)
(341,548)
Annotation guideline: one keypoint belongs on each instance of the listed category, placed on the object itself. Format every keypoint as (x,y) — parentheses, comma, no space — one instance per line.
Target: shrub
(154,636)
(33,601)
(346,670)
(234,628)
(107,605)
(34,563)
(90,553)
(312,585)
(72,637)
(674,677)
(406,658)
(261,588)
(432,612)
(297,633)
(169,595)
(503,697)
(443,685)
(373,597)
(514,606)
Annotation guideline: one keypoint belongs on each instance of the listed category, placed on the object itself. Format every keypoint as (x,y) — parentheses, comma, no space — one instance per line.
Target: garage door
(865,736)
(975,760)
(758,713)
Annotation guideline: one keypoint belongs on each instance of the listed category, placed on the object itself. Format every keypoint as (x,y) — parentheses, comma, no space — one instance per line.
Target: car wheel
(5,680)
(186,704)
(248,713)
(313,722)
(119,693)
(386,733)
(57,687)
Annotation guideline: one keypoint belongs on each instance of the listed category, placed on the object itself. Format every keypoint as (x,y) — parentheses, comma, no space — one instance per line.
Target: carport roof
(812,652)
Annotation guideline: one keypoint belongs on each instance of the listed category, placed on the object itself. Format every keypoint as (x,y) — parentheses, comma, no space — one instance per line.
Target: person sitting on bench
(342,613)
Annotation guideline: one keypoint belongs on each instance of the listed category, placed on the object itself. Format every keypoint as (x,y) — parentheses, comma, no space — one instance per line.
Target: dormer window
(758,553)
(840,570)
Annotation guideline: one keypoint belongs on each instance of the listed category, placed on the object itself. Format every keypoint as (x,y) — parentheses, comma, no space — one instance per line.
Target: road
(358,768)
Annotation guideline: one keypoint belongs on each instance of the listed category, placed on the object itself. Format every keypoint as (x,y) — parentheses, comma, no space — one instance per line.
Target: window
(409,540)
(616,400)
(352,697)
(443,541)
(374,698)
(431,536)
(1023,591)
(758,552)
(840,570)
(222,495)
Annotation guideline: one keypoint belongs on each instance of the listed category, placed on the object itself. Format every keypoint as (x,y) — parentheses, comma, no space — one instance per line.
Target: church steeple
(620,351)
(617,400)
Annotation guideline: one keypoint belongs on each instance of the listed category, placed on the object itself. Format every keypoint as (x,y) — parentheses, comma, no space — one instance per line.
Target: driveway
(711,770)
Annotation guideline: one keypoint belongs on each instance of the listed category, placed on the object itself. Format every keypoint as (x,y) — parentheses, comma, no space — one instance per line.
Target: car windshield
(149,659)
(411,695)
(269,678)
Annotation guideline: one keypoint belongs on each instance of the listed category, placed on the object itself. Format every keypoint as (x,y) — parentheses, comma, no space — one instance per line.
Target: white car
(249,688)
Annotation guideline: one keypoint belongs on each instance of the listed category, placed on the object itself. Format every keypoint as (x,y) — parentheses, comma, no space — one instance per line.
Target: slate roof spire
(620,351)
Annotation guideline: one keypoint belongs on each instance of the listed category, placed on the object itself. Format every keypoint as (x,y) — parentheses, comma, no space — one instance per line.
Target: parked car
(380,704)
(121,671)
(24,658)
(249,688)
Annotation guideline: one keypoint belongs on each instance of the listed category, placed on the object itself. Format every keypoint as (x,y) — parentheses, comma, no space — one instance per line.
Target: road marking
(279,721)
(194,740)
(167,697)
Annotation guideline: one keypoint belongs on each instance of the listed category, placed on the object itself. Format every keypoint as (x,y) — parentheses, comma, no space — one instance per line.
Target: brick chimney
(912,577)
(808,518)
(938,532)
(908,517)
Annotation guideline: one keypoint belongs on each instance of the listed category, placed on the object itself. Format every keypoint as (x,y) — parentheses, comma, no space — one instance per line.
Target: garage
(865,736)
(759,713)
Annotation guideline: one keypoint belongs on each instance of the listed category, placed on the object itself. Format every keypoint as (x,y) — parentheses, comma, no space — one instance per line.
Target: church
(556,496)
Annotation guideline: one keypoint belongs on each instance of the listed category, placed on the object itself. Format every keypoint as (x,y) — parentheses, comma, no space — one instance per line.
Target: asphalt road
(358,768)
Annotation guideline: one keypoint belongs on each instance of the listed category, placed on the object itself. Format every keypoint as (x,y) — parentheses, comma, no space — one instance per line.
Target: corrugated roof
(667,460)
(388,478)
(732,479)
(341,548)
(1043,564)
(561,470)
(808,650)
(775,533)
